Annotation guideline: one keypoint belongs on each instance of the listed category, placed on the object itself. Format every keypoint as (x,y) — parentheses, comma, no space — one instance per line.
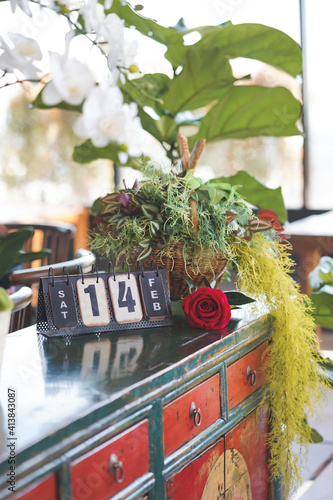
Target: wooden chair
(22,299)
(59,237)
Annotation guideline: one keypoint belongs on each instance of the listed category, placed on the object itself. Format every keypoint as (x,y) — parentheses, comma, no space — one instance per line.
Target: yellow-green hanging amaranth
(295,387)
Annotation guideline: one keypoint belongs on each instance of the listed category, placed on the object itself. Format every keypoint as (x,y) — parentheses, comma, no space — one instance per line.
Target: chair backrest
(83,259)
(59,237)
(22,299)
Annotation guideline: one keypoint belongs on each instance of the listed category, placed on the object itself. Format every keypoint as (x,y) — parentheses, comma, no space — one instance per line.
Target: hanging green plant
(295,385)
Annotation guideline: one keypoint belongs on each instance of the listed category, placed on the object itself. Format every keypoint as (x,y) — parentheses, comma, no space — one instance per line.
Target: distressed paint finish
(91,477)
(239,386)
(45,490)
(74,395)
(247,442)
(178,425)
(191,482)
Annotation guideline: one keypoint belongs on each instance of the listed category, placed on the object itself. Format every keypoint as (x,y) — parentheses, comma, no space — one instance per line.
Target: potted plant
(12,255)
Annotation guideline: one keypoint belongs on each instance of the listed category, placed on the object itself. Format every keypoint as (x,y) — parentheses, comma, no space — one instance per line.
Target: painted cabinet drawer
(112,466)
(202,479)
(246,375)
(188,415)
(43,490)
(246,458)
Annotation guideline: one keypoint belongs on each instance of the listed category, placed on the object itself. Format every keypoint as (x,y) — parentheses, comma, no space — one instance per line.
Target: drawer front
(203,479)
(45,490)
(246,458)
(246,375)
(188,415)
(111,467)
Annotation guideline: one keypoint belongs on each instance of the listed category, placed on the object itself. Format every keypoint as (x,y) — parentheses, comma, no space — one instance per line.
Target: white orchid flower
(21,55)
(22,4)
(105,118)
(72,80)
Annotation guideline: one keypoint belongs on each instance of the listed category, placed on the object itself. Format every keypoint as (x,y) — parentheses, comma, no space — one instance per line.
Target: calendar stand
(102,302)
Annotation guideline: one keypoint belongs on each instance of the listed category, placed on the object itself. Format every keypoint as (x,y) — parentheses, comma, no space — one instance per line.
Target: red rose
(207,308)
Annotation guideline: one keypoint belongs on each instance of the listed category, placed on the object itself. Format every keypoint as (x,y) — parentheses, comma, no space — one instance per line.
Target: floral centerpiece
(195,229)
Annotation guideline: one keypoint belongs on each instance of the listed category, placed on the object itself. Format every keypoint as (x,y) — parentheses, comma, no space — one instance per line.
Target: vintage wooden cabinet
(162,413)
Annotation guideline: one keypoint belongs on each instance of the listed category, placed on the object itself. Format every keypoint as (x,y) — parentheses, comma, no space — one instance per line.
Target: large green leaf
(11,253)
(256,41)
(255,193)
(147,26)
(204,78)
(87,152)
(147,91)
(251,111)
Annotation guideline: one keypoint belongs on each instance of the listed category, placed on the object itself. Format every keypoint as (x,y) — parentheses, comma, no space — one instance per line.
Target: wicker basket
(211,269)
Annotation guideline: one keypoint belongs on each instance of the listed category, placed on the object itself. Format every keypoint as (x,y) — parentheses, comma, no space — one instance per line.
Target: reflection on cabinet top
(60,382)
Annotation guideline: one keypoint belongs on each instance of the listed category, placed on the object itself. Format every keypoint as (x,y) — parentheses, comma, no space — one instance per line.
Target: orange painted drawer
(246,375)
(111,467)
(45,490)
(188,415)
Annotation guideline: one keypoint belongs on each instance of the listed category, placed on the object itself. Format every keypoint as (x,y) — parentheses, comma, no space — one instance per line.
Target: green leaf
(11,253)
(146,26)
(256,193)
(315,437)
(145,253)
(238,298)
(191,181)
(322,309)
(256,41)
(96,207)
(6,303)
(251,111)
(147,90)
(204,78)
(87,152)
(31,255)
(326,370)
(211,194)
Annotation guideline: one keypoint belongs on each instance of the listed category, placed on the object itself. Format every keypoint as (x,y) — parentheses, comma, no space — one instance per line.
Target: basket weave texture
(211,269)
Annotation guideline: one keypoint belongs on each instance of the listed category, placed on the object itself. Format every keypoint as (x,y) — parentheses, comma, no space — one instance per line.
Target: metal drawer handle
(195,414)
(251,375)
(116,468)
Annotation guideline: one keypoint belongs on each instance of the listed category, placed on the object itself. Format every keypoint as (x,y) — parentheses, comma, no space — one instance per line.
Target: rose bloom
(207,308)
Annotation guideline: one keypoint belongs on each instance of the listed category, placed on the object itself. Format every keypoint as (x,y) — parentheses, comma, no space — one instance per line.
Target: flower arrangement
(209,221)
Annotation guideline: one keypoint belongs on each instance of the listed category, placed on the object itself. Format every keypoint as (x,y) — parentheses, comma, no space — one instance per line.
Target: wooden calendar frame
(81,295)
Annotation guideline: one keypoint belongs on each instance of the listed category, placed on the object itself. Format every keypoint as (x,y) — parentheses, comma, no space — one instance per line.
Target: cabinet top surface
(58,381)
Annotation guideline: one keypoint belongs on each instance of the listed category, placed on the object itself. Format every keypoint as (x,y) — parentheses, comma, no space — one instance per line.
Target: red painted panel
(239,387)
(45,490)
(91,479)
(192,482)
(249,439)
(178,426)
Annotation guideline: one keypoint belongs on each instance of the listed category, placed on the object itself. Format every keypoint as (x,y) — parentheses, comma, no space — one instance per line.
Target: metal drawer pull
(251,375)
(195,414)
(116,468)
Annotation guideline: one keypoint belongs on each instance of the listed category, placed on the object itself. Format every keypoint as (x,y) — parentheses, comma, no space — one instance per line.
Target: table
(311,238)
(161,413)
